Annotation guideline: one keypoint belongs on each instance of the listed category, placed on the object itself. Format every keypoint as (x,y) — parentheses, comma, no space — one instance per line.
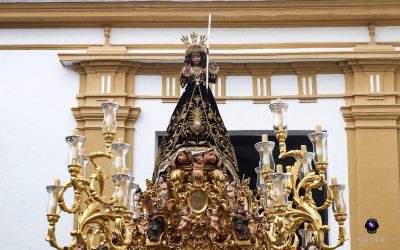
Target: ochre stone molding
(226,14)
(243,69)
(261,81)
(170,91)
(91,81)
(144,57)
(370,81)
(306,80)
(372,126)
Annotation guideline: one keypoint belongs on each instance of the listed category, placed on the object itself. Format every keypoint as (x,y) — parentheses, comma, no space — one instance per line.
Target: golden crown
(194,46)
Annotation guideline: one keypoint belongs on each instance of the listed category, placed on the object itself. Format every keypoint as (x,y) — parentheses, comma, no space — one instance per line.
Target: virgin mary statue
(196,124)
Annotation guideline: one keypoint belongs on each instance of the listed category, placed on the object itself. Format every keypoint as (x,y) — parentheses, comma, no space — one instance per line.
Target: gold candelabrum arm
(283,221)
(281,135)
(98,211)
(51,234)
(340,218)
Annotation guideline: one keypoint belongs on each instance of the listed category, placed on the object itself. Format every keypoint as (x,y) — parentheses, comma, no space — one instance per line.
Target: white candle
(109,119)
(74,148)
(280,116)
(318,143)
(305,159)
(55,198)
(120,191)
(266,161)
(264,137)
(119,157)
(336,196)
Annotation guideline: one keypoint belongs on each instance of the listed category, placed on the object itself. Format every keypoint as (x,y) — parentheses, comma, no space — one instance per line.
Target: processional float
(195,199)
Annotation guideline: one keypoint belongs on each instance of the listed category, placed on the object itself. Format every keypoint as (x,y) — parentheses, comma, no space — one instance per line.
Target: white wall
(148,85)
(32,146)
(330,84)
(239,86)
(284,85)
(172,35)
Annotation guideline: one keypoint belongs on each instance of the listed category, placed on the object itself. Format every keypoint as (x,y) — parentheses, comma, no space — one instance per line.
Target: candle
(121,191)
(74,148)
(119,157)
(318,143)
(336,196)
(264,137)
(55,198)
(108,119)
(266,162)
(280,117)
(279,168)
(303,149)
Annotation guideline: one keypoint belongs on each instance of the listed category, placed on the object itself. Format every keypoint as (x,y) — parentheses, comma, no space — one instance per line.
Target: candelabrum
(275,186)
(99,220)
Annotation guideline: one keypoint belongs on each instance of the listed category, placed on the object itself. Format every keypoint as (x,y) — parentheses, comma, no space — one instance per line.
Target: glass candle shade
(52,206)
(84,160)
(339,205)
(306,166)
(75,143)
(120,151)
(279,183)
(122,188)
(268,203)
(306,236)
(260,180)
(278,110)
(265,149)
(320,146)
(110,116)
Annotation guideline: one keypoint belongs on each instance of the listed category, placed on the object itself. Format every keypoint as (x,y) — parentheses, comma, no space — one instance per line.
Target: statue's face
(210,158)
(182,158)
(161,180)
(199,159)
(196,59)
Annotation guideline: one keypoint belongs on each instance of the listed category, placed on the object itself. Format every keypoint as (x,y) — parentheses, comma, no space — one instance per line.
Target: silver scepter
(208,50)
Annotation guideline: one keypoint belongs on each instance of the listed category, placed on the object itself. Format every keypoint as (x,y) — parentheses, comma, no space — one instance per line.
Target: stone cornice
(371,116)
(194,14)
(69,58)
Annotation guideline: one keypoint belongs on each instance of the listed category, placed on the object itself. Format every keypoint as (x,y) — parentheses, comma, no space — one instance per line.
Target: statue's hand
(213,68)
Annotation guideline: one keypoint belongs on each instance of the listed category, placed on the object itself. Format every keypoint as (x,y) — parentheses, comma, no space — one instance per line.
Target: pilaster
(372,123)
(100,81)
